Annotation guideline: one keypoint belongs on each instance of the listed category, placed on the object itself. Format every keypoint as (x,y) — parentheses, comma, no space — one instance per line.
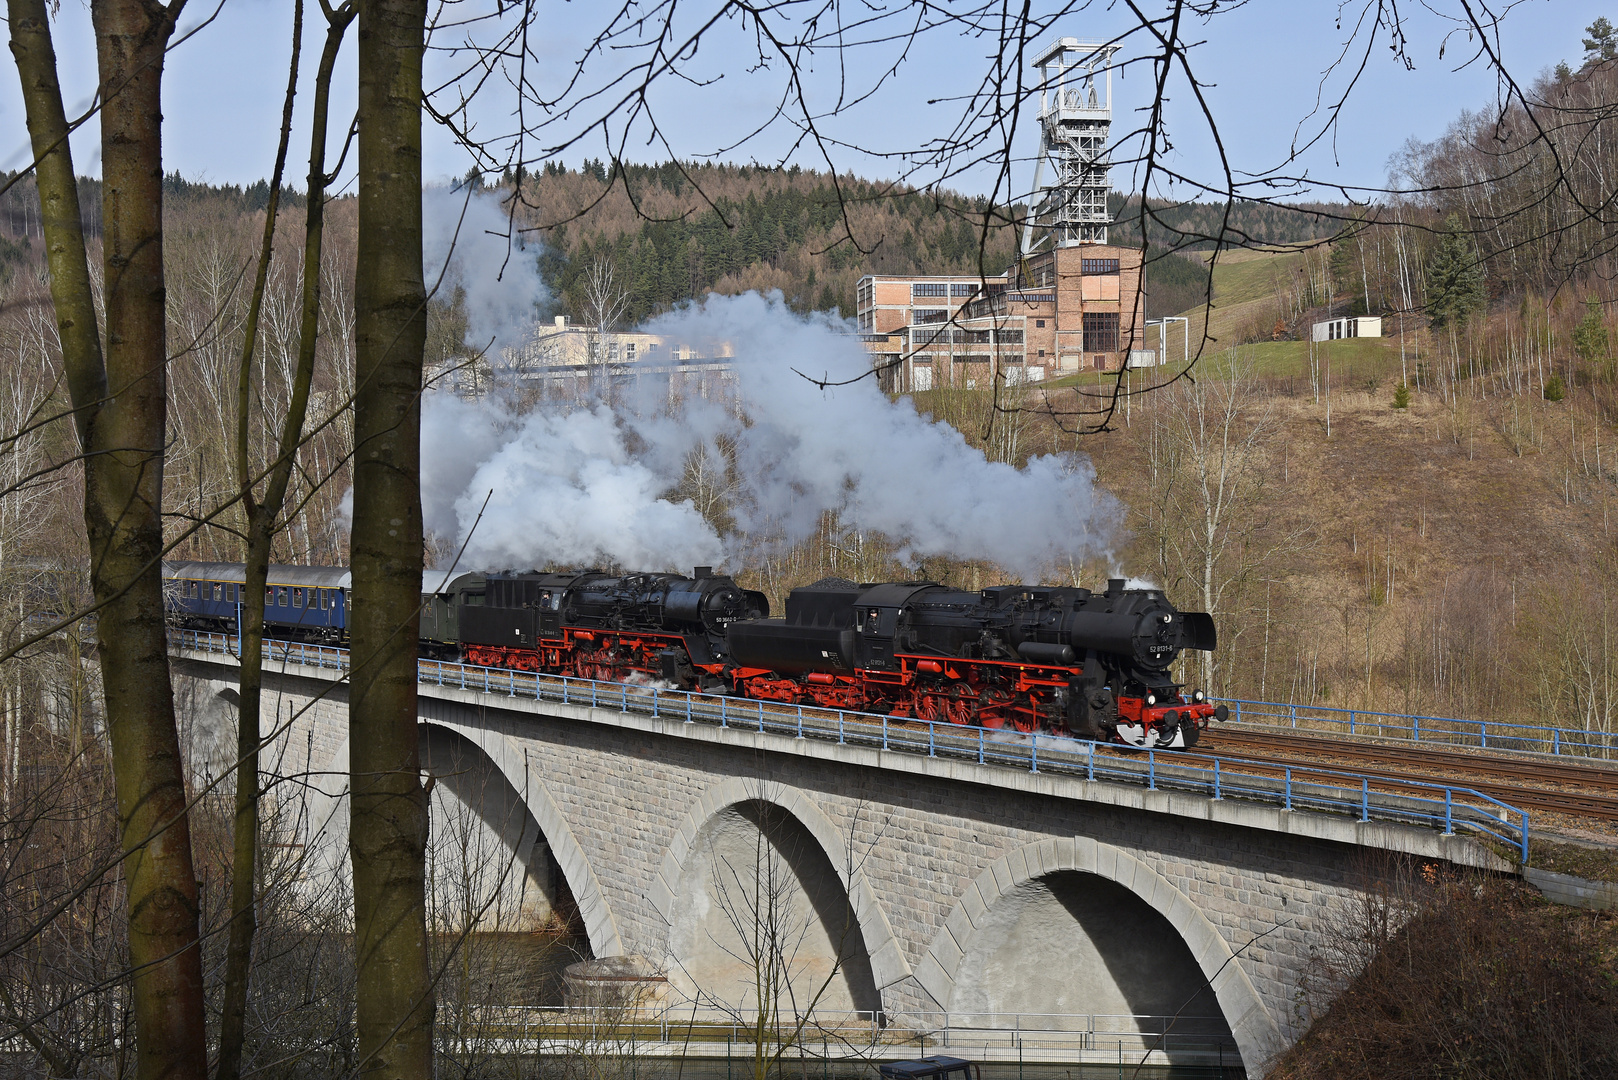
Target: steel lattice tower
(1075,123)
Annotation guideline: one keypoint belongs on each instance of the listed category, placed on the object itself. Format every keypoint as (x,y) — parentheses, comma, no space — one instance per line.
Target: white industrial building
(1365,326)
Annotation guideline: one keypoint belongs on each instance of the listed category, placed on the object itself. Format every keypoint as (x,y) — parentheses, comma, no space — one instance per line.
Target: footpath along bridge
(1051,898)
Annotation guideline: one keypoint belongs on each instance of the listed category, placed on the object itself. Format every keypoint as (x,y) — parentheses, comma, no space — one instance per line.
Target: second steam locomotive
(1064,661)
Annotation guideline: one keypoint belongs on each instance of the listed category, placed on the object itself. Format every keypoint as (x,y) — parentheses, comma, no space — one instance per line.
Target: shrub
(1401,396)
(1555,388)
(1487,980)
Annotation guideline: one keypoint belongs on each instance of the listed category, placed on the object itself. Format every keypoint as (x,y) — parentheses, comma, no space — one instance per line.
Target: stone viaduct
(926,884)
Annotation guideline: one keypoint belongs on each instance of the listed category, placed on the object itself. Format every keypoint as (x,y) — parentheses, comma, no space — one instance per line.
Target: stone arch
(330,823)
(600,926)
(828,849)
(1010,879)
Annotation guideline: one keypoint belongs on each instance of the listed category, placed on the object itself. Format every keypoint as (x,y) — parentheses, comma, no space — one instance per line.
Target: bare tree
(605,301)
(1211,509)
(263,508)
(388,834)
(120,405)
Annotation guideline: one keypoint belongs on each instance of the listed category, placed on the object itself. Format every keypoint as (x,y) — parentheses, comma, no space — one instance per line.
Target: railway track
(1592,789)
(1598,776)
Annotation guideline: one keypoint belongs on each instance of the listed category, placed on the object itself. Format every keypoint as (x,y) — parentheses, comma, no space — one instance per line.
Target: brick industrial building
(1072,302)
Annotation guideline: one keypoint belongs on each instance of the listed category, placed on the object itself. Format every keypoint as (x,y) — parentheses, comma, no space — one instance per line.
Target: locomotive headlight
(1197,697)
(1151,699)
(1168,618)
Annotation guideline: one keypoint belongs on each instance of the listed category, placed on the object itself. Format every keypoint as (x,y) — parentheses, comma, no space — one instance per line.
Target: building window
(1098,266)
(928,315)
(1009,337)
(630,349)
(1101,331)
(1039,322)
(928,288)
(963,289)
(1042,352)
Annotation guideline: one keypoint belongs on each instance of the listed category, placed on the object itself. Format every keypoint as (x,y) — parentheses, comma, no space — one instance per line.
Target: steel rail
(1484,762)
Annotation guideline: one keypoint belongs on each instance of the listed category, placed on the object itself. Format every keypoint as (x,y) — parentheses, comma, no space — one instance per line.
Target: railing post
(761,717)
(1365,798)
(1090,763)
(1238,712)
(1293,709)
(1524,837)
(724,722)
(1351,721)
(800,721)
(980,746)
(884,733)
(1483,733)
(1151,769)
(1289,787)
(841,716)
(1556,740)
(1449,811)
(1217,794)
(1415,729)
(1033,752)
(931,752)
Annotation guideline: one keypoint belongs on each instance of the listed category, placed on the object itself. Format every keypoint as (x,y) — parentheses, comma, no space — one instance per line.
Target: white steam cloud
(501,277)
(584,485)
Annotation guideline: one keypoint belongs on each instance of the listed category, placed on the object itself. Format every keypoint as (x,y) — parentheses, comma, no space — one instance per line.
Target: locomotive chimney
(1115,586)
(701,572)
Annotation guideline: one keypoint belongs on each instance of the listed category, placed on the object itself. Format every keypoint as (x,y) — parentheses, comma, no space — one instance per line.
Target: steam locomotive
(1065,661)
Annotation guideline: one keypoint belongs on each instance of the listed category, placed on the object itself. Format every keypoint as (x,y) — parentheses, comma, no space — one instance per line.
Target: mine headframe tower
(1075,123)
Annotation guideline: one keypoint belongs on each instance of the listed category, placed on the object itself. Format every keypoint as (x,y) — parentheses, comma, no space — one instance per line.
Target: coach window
(218,591)
(297,598)
(280,596)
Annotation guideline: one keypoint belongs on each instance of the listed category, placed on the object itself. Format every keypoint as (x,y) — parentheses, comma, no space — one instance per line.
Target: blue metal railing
(1483,734)
(1324,790)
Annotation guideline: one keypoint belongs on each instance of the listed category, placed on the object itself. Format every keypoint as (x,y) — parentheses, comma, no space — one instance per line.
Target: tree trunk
(120,411)
(262,517)
(388,835)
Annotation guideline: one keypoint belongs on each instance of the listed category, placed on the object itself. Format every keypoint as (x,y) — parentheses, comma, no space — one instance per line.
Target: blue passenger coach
(301,603)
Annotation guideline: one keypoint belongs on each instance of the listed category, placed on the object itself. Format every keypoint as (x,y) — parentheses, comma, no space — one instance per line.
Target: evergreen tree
(1590,336)
(1602,44)
(1454,277)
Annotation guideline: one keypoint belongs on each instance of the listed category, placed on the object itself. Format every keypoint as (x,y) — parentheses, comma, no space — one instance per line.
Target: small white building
(1366,326)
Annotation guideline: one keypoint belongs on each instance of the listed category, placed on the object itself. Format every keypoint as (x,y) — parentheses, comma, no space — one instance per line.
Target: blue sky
(1263,59)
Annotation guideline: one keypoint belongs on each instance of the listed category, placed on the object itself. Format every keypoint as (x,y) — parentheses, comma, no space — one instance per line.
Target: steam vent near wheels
(1072,302)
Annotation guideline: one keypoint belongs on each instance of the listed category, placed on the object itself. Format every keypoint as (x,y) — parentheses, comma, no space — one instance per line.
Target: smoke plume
(501,277)
(586,485)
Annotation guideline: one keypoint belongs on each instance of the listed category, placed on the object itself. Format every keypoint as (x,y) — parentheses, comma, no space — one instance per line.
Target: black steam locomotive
(1060,660)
